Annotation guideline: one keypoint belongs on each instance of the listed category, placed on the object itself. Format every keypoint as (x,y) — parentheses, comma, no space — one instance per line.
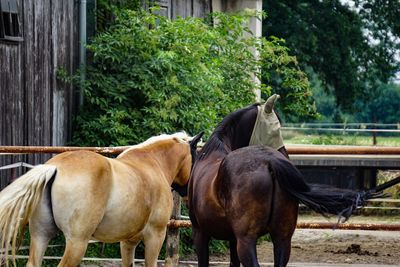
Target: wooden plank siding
(11,105)
(36,108)
(201,8)
(190,8)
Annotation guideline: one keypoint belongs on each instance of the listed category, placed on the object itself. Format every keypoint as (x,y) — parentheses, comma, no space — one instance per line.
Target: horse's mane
(224,129)
(180,136)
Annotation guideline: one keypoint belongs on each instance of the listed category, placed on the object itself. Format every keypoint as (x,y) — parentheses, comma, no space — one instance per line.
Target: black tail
(380,188)
(323,199)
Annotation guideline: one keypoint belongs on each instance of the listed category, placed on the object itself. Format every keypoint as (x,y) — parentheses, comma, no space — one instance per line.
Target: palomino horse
(89,196)
(239,192)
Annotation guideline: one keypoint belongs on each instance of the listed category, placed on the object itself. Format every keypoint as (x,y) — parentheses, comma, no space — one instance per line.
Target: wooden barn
(37,39)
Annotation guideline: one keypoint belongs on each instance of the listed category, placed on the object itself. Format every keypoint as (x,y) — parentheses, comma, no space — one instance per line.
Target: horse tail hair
(17,203)
(323,199)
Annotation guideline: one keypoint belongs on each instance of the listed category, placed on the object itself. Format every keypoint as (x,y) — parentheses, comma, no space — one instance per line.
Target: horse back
(83,169)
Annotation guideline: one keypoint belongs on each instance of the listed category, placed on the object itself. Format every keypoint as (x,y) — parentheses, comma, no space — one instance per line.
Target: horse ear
(269,104)
(195,140)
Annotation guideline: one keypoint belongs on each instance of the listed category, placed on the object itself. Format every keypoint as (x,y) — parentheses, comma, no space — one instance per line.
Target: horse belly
(218,229)
(116,228)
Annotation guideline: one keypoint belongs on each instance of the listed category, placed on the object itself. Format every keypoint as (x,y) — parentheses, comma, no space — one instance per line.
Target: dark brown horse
(239,192)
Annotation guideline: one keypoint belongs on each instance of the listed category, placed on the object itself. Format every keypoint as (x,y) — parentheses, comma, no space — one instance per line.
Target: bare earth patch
(340,247)
(324,247)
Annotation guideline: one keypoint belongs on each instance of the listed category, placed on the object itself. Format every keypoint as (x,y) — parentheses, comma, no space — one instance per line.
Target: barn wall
(186,8)
(11,104)
(65,47)
(36,108)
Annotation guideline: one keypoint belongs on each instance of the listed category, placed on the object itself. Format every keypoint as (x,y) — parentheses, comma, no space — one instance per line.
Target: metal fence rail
(360,125)
(59,149)
(342,150)
(292,149)
(315,225)
(372,130)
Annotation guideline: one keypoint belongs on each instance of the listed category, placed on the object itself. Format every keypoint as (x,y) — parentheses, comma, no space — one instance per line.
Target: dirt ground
(315,247)
(339,247)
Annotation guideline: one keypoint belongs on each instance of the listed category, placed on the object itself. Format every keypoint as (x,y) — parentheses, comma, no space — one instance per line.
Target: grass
(294,137)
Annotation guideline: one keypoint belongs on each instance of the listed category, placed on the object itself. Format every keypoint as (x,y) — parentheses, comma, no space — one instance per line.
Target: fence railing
(176,222)
(359,125)
(287,128)
(292,149)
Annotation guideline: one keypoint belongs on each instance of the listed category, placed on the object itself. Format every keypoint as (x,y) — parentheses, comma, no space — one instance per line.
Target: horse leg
(281,233)
(40,237)
(42,229)
(233,254)
(201,241)
(74,251)
(128,253)
(282,248)
(77,235)
(247,252)
(282,226)
(153,241)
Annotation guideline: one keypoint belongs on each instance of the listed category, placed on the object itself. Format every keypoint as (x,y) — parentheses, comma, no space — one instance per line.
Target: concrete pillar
(237,5)
(255,25)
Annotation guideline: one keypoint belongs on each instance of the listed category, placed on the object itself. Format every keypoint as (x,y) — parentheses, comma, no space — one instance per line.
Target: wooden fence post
(172,244)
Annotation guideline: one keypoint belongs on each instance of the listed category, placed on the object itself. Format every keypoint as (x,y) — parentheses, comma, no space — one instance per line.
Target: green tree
(151,75)
(351,48)
(384,106)
(281,74)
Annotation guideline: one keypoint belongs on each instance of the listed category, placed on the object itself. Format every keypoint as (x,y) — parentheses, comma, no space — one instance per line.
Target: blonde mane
(182,137)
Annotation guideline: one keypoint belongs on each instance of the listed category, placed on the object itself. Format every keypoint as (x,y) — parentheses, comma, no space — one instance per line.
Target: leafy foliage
(325,100)
(105,11)
(151,75)
(282,74)
(351,48)
(384,107)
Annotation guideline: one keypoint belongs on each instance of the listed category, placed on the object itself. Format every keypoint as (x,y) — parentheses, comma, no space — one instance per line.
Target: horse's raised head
(180,183)
(257,124)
